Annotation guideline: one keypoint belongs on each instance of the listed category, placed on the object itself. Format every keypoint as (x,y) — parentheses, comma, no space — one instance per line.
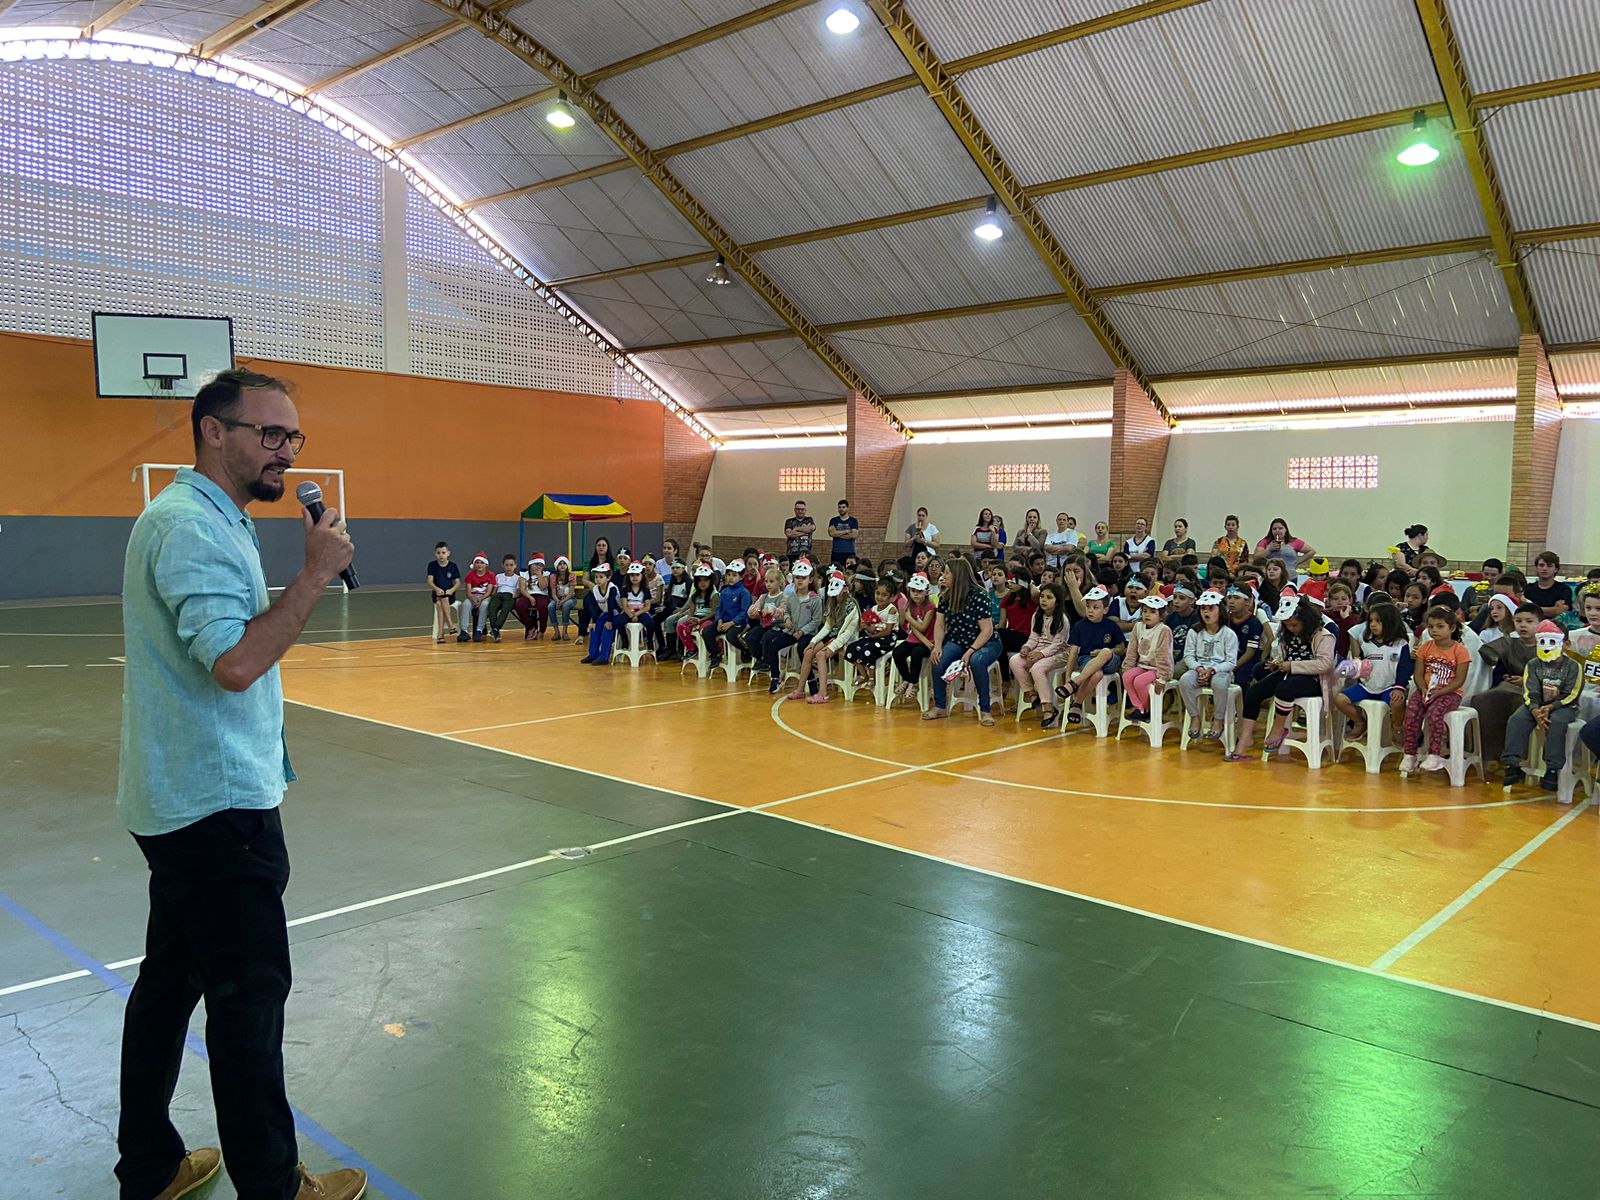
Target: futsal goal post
(328,479)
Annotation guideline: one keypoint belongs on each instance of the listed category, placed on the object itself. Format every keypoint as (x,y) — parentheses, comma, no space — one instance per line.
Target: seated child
(764,612)
(1210,655)
(917,623)
(1551,685)
(1380,654)
(1044,651)
(1091,653)
(1509,657)
(700,609)
(479,584)
(603,603)
(733,609)
(444,578)
(1148,663)
(840,621)
(1441,673)
(879,624)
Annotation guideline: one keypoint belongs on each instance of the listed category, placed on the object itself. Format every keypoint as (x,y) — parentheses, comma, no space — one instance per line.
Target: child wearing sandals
(1149,658)
(1043,652)
(1091,653)
(1441,671)
(879,624)
(840,620)
(1210,655)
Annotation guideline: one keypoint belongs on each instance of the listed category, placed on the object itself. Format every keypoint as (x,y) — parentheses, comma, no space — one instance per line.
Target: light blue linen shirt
(191,582)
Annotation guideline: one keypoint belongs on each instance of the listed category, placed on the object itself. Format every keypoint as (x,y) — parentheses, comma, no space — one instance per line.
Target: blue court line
(344,1154)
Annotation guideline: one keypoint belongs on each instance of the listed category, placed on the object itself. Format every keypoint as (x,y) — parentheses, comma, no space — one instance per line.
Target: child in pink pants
(1149,658)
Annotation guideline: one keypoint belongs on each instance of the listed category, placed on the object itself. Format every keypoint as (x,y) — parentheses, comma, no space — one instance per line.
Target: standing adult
(1179,544)
(1411,548)
(1230,547)
(985,541)
(1031,539)
(1285,547)
(798,531)
(842,529)
(1061,541)
(202,773)
(921,535)
(1102,544)
(1141,547)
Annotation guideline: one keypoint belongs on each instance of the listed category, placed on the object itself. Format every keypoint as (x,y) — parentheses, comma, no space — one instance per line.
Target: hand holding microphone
(329,550)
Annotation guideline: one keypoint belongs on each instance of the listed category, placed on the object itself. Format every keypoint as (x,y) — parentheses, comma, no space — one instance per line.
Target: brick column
(1533,453)
(872,457)
(686,466)
(1139,436)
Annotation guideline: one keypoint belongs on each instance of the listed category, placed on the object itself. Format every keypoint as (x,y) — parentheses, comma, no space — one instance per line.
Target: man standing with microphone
(203,770)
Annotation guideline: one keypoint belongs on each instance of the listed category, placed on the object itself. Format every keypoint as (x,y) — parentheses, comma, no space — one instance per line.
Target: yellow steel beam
(488,114)
(650,165)
(1016,389)
(1475,151)
(1560,233)
(701,37)
(942,90)
(110,17)
(901,83)
(1335,364)
(594,172)
(257,20)
(1539,91)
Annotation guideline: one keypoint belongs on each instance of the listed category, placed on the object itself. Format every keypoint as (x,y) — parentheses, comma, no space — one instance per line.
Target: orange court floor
(1465,889)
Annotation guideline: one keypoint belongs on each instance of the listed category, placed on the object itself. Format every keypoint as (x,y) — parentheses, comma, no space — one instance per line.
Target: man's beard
(260,489)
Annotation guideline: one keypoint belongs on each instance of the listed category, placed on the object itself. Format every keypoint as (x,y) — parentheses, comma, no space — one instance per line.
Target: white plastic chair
(849,680)
(636,648)
(1379,741)
(1579,768)
(701,661)
(1466,748)
(1207,703)
(1156,727)
(1098,715)
(1021,706)
(733,662)
(964,693)
(1319,734)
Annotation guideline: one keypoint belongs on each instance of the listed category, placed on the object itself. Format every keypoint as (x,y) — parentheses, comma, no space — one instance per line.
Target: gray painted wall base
(42,557)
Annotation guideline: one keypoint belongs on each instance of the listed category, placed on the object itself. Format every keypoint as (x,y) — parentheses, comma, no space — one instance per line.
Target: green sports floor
(745,1008)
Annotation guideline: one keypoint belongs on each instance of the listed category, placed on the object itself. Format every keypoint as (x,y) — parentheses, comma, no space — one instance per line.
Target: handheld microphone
(310,495)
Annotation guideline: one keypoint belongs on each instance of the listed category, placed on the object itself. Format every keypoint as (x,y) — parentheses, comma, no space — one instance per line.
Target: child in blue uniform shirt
(603,603)
(733,608)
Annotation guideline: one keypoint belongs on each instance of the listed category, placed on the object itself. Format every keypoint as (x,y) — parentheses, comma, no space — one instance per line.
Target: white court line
(1061,739)
(593,712)
(426,889)
(43,666)
(1434,923)
(766,811)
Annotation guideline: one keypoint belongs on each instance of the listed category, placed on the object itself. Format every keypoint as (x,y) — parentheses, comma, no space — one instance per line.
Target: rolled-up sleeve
(207,589)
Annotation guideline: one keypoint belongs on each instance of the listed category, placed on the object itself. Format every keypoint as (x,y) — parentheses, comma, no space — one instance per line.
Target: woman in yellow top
(1230,547)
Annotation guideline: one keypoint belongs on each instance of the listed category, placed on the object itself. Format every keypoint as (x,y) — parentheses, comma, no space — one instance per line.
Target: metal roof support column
(1139,438)
(1534,443)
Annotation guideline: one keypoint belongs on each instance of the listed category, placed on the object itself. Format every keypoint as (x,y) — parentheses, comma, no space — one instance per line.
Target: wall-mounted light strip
(52,43)
(1041,420)
(1033,433)
(799,431)
(1585,409)
(784,443)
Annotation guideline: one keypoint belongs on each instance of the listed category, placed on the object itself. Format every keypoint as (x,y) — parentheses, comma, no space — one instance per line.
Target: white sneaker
(1433,763)
(1408,764)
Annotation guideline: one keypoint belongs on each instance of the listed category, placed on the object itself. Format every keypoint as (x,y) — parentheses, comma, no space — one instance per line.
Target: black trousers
(216,930)
(1278,685)
(909,655)
(1010,643)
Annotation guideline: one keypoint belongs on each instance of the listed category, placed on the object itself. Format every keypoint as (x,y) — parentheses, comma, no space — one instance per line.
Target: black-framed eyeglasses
(272,436)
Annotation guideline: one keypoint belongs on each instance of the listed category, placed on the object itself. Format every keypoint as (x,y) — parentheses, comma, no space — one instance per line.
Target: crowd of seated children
(1394,628)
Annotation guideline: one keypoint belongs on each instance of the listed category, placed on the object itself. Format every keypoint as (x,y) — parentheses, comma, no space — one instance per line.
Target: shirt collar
(220,499)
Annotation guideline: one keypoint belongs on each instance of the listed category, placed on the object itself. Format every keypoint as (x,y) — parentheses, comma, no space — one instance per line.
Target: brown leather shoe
(195,1171)
(349,1184)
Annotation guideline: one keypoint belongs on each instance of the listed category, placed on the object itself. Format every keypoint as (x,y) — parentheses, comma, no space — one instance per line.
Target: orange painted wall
(408,446)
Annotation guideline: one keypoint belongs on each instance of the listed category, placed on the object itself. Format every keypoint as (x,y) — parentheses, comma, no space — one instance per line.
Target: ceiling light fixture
(1419,152)
(560,114)
(989,228)
(842,21)
(719,273)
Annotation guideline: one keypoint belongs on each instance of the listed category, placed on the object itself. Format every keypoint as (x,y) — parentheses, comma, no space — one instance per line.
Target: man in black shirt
(798,530)
(1552,596)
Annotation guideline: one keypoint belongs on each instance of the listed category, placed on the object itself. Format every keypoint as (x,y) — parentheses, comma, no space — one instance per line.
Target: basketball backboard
(140,355)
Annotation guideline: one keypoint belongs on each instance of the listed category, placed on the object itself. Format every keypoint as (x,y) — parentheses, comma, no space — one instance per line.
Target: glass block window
(802,479)
(1019,477)
(1342,472)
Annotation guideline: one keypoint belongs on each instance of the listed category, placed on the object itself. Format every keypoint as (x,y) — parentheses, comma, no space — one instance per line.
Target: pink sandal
(819,698)
(798,694)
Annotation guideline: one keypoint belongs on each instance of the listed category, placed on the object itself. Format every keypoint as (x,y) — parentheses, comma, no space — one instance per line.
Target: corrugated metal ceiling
(1036,345)
(909,268)
(189,23)
(1510,42)
(333,34)
(1565,277)
(824,419)
(1455,303)
(1484,380)
(1220,72)
(672,306)
(777,65)
(957,28)
(1089,404)
(1577,375)
(597,224)
(776,372)
(886,156)
(1313,201)
(586,36)
(1547,154)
